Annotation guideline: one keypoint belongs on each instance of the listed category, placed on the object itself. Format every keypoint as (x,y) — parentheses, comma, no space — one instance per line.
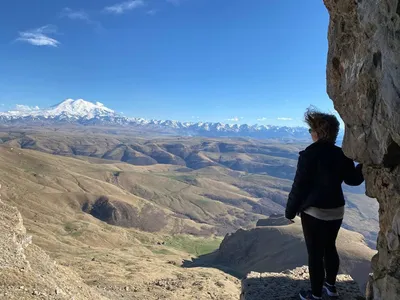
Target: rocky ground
(286,286)
(27,272)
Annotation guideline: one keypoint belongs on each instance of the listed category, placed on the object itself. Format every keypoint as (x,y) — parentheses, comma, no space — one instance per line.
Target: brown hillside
(207,169)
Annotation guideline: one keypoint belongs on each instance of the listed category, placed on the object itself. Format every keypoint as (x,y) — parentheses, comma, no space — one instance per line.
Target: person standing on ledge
(317,196)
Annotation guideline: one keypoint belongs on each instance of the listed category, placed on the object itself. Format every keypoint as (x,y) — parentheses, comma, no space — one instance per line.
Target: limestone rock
(363,77)
(26,272)
(287,285)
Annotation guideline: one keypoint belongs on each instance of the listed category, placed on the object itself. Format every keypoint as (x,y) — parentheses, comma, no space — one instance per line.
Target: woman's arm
(300,187)
(352,174)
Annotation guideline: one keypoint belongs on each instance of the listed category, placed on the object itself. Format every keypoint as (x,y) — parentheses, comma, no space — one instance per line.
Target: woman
(317,195)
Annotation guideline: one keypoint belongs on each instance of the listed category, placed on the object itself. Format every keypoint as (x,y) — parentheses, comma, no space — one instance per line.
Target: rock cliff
(26,272)
(363,80)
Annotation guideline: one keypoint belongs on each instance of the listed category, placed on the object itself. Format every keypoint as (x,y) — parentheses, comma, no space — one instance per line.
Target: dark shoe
(330,290)
(307,296)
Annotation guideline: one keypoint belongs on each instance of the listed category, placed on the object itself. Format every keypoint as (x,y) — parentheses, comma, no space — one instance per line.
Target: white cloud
(21,107)
(120,8)
(39,36)
(284,119)
(75,15)
(79,15)
(262,119)
(235,119)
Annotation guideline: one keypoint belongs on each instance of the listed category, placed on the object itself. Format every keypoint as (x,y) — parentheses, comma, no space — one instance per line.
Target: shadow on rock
(287,285)
(209,261)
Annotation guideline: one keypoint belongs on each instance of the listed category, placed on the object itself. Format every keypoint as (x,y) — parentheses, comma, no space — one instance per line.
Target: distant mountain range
(87,113)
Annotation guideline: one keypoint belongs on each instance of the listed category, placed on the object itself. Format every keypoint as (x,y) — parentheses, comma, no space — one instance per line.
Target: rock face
(363,76)
(286,285)
(26,272)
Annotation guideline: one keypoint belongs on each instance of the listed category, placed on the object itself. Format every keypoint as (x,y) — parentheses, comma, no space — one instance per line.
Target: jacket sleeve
(352,174)
(300,187)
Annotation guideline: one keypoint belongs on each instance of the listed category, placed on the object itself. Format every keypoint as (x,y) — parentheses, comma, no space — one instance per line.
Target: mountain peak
(81,107)
(84,112)
(70,108)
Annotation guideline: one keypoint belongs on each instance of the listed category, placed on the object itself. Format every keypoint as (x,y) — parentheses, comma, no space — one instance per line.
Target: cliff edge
(286,286)
(26,272)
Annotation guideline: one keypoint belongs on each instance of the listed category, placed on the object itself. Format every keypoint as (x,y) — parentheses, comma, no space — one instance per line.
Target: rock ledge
(286,285)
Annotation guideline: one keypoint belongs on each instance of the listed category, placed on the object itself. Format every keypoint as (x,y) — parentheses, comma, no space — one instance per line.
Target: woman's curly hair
(325,125)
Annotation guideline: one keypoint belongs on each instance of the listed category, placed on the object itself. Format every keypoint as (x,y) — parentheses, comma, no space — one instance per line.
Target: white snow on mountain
(81,108)
(68,108)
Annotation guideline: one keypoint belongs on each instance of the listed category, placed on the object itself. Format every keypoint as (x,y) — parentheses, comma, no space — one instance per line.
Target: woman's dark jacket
(321,170)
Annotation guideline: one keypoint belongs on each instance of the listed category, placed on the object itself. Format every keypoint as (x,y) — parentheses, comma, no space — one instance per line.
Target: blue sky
(253,61)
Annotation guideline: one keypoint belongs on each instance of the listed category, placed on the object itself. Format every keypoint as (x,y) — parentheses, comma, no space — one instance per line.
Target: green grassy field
(194,246)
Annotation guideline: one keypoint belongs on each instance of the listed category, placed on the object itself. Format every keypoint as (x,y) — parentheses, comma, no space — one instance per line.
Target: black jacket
(321,170)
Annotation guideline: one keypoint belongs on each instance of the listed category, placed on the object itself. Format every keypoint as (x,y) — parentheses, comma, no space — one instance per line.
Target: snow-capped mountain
(69,108)
(88,113)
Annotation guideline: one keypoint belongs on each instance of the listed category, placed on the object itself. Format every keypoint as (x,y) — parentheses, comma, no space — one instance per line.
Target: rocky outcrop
(364,83)
(119,213)
(26,272)
(279,248)
(273,220)
(286,285)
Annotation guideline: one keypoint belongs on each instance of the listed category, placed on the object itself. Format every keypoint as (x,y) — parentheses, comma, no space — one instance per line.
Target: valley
(116,209)
(224,183)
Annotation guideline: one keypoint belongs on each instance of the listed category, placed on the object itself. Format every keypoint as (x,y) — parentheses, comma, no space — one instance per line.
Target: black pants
(320,237)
